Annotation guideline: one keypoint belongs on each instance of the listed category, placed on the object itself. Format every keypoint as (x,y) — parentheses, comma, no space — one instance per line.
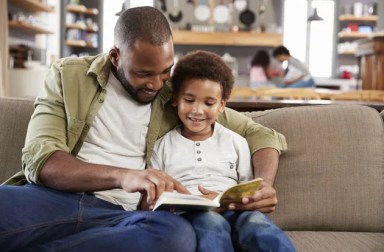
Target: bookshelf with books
(81,28)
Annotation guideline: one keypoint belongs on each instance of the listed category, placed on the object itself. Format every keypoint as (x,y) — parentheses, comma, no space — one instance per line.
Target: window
(110,18)
(310,42)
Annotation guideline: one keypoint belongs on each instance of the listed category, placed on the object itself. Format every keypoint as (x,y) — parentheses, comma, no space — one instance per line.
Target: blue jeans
(300,84)
(237,231)
(36,218)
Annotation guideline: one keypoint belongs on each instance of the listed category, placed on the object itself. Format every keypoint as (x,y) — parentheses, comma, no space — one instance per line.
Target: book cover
(189,202)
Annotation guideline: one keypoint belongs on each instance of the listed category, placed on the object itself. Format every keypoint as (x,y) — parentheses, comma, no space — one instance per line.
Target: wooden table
(259,105)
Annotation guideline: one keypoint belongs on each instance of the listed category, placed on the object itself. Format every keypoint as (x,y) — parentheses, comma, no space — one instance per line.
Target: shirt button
(101,100)
(231,166)
(198,152)
(197,144)
(199,159)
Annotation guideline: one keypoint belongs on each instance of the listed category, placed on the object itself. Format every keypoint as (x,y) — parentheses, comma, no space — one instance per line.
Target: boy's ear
(174,100)
(222,105)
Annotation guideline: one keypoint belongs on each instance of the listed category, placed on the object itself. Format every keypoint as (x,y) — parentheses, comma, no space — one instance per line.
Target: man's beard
(128,87)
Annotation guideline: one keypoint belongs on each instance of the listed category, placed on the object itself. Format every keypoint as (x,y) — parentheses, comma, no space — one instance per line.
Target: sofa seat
(325,241)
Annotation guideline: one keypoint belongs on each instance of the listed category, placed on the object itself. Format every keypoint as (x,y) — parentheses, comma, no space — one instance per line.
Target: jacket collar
(100,67)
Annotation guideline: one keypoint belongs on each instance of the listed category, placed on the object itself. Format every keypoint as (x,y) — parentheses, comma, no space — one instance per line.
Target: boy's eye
(189,100)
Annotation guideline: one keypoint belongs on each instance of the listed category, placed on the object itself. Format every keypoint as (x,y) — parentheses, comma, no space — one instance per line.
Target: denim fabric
(300,84)
(50,220)
(237,231)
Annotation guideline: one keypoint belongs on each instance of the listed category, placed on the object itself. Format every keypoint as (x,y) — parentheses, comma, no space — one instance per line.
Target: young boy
(208,158)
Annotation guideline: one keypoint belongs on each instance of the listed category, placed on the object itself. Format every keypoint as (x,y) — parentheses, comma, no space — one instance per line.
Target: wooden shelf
(81,27)
(370,18)
(353,35)
(350,53)
(79,43)
(33,5)
(181,37)
(82,9)
(27,27)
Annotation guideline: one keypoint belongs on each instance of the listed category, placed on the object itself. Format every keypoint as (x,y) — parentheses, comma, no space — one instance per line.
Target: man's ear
(222,105)
(114,56)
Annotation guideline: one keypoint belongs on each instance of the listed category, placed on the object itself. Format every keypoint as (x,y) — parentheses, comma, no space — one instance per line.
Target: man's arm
(266,145)
(265,162)
(63,171)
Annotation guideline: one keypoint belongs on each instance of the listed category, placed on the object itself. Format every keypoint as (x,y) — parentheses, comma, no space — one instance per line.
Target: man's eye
(143,74)
(209,104)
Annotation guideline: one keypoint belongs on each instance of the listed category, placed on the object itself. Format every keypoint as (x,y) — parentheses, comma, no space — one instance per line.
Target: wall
(272,20)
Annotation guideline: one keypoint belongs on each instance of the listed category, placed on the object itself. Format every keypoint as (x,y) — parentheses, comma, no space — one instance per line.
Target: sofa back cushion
(332,175)
(14,117)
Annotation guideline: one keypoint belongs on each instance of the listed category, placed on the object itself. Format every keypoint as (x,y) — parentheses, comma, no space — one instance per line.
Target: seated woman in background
(262,72)
(297,75)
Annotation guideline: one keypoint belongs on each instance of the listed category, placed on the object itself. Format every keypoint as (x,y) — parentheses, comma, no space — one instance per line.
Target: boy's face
(198,104)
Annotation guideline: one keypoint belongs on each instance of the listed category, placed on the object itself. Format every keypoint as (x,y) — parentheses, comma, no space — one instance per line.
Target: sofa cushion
(336,241)
(14,118)
(332,175)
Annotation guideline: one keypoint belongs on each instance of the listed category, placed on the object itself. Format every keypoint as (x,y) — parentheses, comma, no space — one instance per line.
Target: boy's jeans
(237,231)
(36,218)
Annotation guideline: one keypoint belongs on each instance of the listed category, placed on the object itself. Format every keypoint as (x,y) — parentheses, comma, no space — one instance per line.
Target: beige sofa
(330,182)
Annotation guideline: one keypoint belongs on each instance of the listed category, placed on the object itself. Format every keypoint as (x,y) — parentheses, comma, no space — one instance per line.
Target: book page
(179,201)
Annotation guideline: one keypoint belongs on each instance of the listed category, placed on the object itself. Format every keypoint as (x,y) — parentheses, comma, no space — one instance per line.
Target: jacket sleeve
(257,136)
(47,128)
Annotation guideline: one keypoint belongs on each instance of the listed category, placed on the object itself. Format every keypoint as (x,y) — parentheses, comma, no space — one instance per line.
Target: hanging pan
(247,17)
(176,15)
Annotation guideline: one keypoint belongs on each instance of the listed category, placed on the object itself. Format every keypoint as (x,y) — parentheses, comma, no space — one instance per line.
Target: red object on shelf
(353,27)
(347,75)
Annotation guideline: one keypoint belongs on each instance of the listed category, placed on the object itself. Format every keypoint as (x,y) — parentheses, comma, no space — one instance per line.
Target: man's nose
(156,82)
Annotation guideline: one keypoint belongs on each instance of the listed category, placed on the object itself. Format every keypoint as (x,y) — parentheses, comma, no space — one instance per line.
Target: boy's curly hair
(203,65)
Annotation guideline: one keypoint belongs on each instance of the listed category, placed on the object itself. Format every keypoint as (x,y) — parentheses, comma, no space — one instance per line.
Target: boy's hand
(207,193)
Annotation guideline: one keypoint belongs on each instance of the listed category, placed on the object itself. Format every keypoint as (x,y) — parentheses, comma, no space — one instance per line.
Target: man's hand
(264,200)
(152,183)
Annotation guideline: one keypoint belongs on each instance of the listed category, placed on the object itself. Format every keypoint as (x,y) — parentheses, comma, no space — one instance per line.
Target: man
(297,75)
(88,143)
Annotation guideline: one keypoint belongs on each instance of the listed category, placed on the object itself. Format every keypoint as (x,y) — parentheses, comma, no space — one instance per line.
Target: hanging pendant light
(121,11)
(314,16)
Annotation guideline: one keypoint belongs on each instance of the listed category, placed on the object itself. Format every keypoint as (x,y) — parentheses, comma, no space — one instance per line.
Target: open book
(187,202)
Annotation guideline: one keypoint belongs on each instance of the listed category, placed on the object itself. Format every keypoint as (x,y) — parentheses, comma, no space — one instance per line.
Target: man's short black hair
(280,50)
(142,23)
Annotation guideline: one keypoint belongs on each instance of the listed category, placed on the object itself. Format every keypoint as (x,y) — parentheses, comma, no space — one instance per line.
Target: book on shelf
(187,202)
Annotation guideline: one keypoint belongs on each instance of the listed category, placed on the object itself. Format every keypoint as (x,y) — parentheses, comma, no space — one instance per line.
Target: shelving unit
(32,5)
(351,29)
(348,35)
(27,20)
(81,29)
(182,37)
(27,27)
